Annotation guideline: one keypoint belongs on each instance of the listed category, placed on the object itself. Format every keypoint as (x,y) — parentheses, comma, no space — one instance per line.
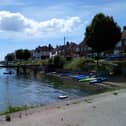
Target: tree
(10,57)
(27,54)
(102,34)
(50,47)
(23,54)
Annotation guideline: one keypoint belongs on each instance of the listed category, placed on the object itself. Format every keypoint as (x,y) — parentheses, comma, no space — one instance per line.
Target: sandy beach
(108,109)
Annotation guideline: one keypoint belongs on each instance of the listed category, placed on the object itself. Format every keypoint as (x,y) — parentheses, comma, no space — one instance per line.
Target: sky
(28,24)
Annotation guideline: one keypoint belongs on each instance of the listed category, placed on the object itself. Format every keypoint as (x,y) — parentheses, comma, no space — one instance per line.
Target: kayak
(66,74)
(81,76)
(102,78)
(87,79)
(95,81)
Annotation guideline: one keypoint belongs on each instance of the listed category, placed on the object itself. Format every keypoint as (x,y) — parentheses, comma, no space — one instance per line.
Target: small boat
(62,97)
(9,72)
(95,81)
(102,78)
(66,74)
(87,79)
(81,76)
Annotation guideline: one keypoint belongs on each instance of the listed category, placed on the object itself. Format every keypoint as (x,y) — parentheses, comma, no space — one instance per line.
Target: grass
(12,109)
(32,62)
(88,64)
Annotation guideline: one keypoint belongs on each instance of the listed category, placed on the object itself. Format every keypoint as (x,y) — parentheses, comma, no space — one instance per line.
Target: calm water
(34,90)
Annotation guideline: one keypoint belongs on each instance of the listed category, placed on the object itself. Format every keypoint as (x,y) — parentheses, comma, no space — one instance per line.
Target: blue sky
(30,23)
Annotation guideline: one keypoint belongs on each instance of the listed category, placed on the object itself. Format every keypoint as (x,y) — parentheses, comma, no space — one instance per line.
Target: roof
(44,48)
(83,44)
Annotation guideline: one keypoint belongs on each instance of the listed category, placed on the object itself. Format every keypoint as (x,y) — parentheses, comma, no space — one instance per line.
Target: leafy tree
(10,57)
(23,54)
(67,43)
(50,47)
(102,34)
(27,54)
(19,54)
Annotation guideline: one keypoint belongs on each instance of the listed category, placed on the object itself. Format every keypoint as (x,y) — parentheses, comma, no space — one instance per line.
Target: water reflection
(33,90)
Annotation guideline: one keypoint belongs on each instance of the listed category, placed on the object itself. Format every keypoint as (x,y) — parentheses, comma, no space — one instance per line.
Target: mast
(64,46)
(64,40)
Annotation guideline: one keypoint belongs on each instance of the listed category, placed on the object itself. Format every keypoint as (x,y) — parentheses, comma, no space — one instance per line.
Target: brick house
(71,49)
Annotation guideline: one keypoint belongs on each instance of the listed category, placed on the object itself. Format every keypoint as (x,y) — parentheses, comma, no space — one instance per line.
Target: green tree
(27,54)
(102,34)
(50,47)
(23,54)
(10,57)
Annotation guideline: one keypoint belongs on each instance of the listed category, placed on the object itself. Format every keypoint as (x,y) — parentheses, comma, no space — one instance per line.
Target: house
(42,52)
(123,39)
(70,49)
(121,45)
(118,48)
(86,51)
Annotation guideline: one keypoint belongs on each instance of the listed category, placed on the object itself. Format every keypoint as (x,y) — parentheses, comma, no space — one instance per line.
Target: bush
(81,64)
(57,61)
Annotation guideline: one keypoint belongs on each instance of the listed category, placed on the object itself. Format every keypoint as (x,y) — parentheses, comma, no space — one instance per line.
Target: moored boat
(87,79)
(9,72)
(95,81)
(62,96)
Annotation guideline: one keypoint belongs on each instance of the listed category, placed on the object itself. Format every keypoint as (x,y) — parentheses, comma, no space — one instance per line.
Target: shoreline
(68,101)
(60,105)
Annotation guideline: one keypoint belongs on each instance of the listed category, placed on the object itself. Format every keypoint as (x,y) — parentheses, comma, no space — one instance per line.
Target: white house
(43,52)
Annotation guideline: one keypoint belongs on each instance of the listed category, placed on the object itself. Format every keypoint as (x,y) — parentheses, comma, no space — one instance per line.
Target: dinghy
(62,97)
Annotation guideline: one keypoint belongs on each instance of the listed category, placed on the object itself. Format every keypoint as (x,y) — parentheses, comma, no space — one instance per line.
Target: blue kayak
(102,78)
(81,76)
(66,74)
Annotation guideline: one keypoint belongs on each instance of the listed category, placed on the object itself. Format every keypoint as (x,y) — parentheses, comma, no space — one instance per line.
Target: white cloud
(16,22)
